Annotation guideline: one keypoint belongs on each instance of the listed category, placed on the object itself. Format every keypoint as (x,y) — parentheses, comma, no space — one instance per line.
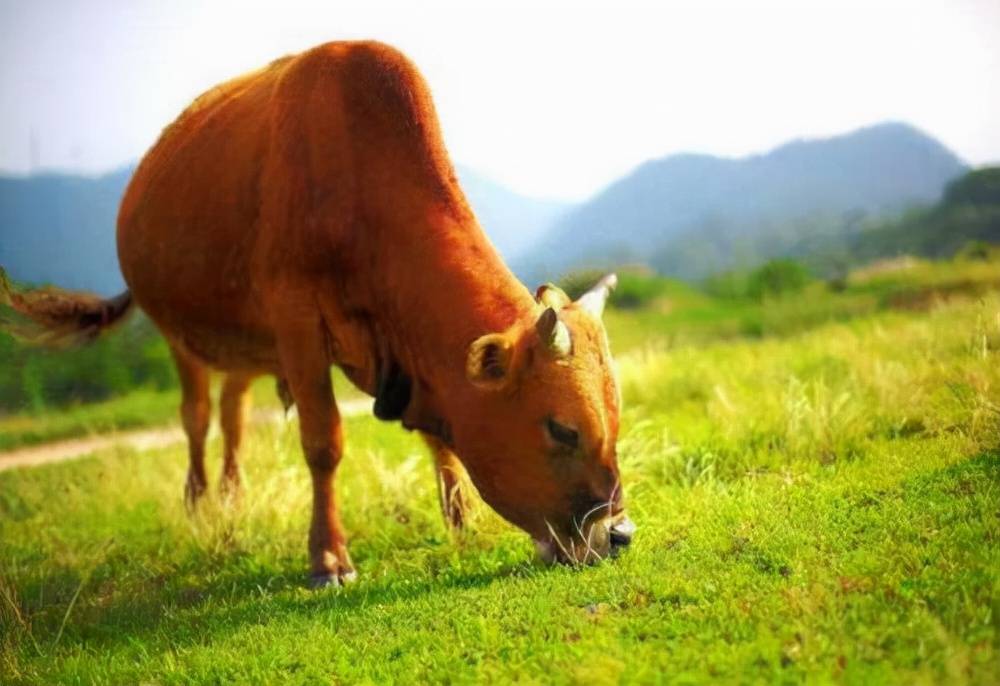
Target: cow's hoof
(231,490)
(194,489)
(332,579)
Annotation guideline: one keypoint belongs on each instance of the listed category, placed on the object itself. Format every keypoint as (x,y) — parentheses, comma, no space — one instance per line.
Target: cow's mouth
(604,539)
(621,533)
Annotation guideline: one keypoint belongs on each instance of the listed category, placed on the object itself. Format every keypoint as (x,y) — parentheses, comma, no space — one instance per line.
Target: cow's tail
(58,318)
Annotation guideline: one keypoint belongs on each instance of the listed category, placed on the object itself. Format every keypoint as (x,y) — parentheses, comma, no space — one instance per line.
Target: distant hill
(512,221)
(685,215)
(60,228)
(968,214)
(690,215)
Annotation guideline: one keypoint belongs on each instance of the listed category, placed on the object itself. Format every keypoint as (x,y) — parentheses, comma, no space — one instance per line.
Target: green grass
(823,507)
(136,409)
(680,316)
(141,407)
(655,312)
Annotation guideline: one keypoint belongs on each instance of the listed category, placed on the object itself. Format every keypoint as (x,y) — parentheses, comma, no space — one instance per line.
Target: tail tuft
(56,318)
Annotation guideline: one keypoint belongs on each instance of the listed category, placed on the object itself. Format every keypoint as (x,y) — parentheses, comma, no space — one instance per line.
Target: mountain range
(60,228)
(689,215)
(686,215)
(513,221)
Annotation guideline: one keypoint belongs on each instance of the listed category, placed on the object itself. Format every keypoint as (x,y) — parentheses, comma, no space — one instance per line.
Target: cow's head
(539,439)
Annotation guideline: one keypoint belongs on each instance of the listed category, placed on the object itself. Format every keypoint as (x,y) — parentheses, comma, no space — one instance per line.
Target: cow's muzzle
(620,534)
(606,538)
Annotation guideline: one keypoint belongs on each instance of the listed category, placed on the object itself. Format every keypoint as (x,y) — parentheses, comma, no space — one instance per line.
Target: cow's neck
(448,287)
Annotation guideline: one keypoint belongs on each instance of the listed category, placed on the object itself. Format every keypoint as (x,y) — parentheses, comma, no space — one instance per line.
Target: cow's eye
(563,435)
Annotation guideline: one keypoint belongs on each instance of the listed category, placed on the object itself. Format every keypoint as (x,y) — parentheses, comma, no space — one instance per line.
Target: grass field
(138,408)
(142,407)
(679,315)
(821,505)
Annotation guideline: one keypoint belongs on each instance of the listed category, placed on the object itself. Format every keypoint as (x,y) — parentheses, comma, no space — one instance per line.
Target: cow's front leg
(451,476)
(329,562)
(305,368)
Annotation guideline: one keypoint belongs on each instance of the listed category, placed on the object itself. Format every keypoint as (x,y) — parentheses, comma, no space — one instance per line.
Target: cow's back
(188,220)
(312,170)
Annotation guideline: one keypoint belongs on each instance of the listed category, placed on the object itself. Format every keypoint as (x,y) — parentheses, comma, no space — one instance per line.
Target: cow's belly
(194,283)
(225,348)
(211,332)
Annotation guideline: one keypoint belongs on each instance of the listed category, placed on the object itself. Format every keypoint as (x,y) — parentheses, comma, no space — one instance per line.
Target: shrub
(975,250)
(777,277)
(729,284)
(133,355)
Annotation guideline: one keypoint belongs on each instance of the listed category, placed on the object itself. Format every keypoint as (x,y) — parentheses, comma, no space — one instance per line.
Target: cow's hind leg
(196,412)
(233,409)
(305,367)
(450,474)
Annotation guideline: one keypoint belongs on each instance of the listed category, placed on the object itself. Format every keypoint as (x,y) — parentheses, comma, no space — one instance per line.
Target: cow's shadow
(212,610)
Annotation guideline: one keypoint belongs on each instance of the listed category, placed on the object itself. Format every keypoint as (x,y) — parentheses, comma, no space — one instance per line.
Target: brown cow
(307,215)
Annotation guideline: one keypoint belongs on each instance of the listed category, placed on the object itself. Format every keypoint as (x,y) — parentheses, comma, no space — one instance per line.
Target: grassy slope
(686,317)
(141,407)
(138,408)
(680,315)
(825,506)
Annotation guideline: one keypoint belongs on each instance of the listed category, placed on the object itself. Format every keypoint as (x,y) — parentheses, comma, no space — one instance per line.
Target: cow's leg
(196,412)
(233,407)
(450,475)
(305,367)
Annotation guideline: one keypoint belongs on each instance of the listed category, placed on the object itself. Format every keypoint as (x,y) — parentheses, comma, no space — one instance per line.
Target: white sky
(551,99)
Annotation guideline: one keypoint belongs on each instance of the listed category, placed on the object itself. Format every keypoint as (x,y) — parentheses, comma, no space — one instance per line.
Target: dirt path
(139,439)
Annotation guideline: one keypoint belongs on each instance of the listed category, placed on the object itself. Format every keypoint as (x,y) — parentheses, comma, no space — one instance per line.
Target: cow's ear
(489,362)
(593,300)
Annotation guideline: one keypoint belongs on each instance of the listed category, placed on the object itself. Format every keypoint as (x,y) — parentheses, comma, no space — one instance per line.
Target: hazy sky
(552,99)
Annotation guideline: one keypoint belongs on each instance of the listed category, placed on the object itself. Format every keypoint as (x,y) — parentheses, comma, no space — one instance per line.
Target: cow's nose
(621,533)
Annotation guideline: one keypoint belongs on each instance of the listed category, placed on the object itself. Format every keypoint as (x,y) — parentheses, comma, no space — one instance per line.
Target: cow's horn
(553,332)
(552,296)
(593,300)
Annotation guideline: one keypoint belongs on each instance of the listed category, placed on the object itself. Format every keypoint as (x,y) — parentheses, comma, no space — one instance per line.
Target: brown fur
(307,214)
